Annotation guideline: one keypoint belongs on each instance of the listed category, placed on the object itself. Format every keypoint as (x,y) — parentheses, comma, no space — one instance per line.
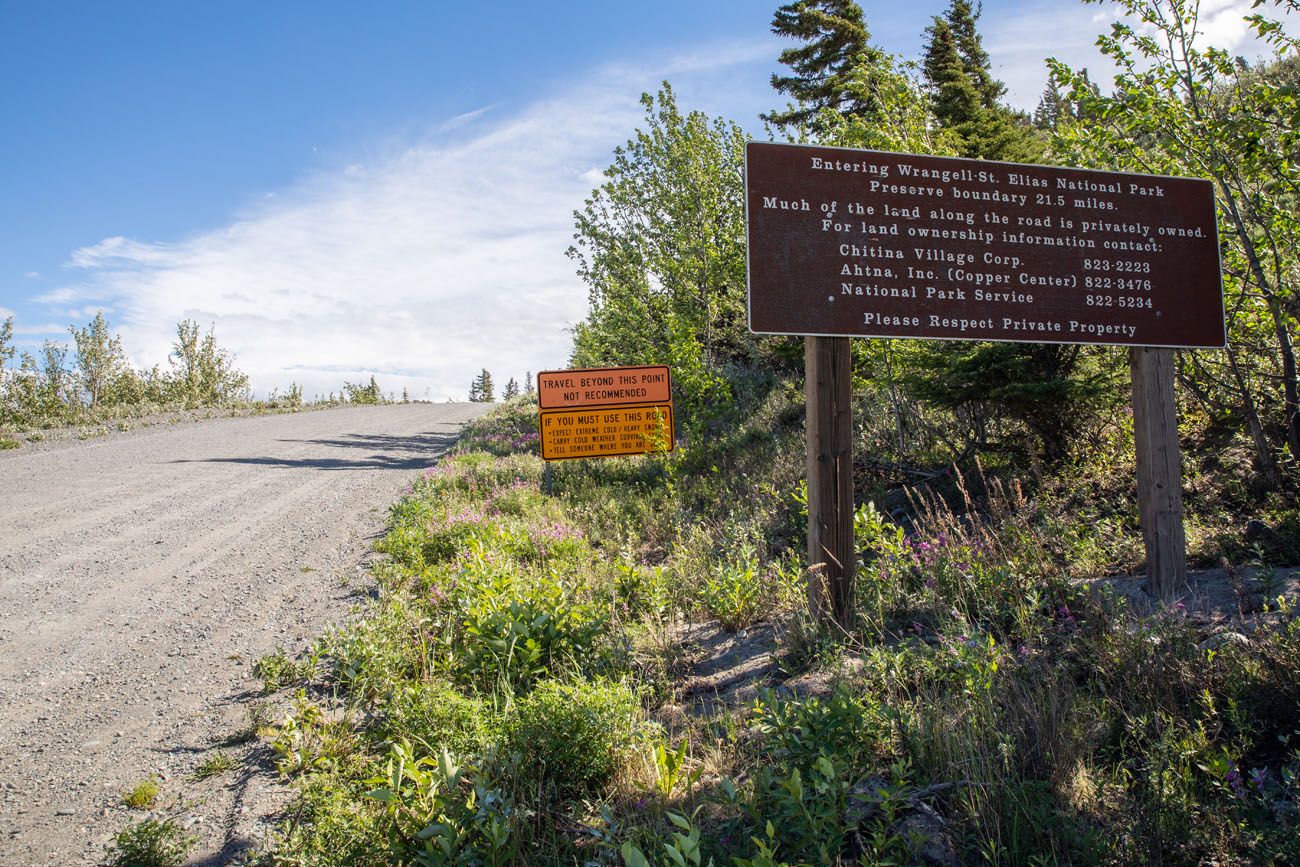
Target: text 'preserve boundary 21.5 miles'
(857,243)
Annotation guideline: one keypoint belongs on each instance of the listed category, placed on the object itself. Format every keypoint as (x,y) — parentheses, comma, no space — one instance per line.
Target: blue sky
(387,188)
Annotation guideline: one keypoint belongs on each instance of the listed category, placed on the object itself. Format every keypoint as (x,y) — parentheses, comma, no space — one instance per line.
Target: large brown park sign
(852,243)
(873,244)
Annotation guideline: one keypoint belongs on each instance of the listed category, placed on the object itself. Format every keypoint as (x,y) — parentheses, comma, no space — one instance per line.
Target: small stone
(65,811)
(1219,639)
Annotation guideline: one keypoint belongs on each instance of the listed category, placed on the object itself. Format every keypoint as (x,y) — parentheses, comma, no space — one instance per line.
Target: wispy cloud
(21,330)
(444,256)
(464,119)
(49,329)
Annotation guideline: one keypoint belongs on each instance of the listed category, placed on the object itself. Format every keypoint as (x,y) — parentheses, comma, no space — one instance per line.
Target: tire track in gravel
(139,577)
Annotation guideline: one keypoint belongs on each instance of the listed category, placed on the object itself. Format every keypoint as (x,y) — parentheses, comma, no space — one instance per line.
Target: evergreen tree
(966,94)
(480,390)
(961,18)
(1050,108)
(529,388)
(835,41)
(512,389)
(957,102)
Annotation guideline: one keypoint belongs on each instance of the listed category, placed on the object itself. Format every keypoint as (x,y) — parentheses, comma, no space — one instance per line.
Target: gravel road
(142,574)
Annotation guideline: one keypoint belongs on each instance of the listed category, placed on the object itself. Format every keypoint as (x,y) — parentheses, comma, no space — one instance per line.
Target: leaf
(632,856)
(381,795)
(680,821)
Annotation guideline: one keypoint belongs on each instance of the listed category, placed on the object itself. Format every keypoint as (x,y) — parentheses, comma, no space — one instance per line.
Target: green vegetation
(151,843)
(142,795)
(92,385)
(214,765)
(515,696)
(481,389)
(626,672)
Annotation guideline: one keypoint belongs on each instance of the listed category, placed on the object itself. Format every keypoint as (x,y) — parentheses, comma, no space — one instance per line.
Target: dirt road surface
(142,574)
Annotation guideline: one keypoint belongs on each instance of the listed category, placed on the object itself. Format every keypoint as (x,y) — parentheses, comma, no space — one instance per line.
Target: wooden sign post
(853,243)
(832,556)
(1159,469)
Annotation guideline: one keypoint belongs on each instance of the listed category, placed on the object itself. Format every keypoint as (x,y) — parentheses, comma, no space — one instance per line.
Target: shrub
(434,716)
(151,843)
(141,795)
(518,627)
(732,594)
(570,738)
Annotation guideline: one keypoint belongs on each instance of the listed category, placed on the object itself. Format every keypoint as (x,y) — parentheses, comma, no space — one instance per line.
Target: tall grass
(516,694)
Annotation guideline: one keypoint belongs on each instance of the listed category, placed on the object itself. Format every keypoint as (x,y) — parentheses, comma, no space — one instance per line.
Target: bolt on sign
(605,412)
(858,243)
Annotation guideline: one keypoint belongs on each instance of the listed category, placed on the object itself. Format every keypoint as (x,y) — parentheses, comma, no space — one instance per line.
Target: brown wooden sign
(604,386)
(861,243)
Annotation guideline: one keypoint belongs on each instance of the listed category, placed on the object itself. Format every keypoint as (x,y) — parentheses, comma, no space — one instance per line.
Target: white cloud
(1019,37)
(463,119)
(420,267)
(49,328)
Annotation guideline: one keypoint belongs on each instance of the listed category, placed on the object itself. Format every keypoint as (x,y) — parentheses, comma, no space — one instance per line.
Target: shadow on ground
(414,452)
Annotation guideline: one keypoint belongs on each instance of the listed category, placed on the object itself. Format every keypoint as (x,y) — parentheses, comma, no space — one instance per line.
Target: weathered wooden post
(1159,469)
(831,553)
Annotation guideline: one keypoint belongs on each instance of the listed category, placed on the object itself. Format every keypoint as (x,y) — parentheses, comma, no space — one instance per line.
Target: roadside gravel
(142,574)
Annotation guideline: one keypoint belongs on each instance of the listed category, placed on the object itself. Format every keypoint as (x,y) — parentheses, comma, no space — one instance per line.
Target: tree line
(68,383)
(91,379)
(482,389)
(660,244)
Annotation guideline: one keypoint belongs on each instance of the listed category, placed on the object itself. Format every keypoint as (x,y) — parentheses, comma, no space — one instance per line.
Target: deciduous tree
(660,246)
(1181,107)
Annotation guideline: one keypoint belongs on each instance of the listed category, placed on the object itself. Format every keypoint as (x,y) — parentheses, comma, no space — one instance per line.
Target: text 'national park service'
(867,243)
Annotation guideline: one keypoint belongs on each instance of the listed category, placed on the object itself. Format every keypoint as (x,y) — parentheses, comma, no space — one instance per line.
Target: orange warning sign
(604,386)
(606,432)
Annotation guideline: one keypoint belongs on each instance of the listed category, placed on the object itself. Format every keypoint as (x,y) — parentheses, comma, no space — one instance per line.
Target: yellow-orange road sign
(606,431)
(604,386)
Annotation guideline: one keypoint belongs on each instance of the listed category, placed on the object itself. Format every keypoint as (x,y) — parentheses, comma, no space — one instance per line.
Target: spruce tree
(961,18)
(1050,108)
(835,40)
(957,102)
(480,390)
(528,384)
(511,390)
(1043,386)
(966,94)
